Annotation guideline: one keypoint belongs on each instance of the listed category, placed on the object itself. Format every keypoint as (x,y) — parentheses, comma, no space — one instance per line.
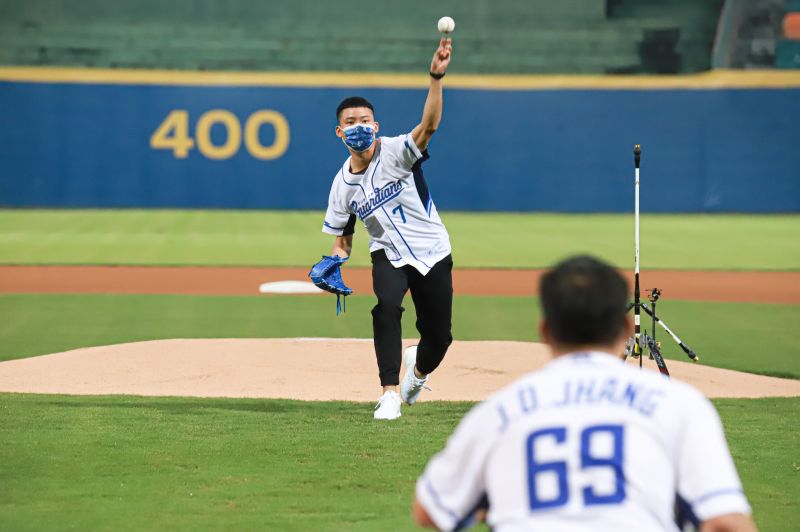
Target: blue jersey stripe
(402,238)
(718,493)
(438,502)
(420,183)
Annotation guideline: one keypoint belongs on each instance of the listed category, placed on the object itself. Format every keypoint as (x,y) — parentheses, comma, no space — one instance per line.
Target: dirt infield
(314,369)
(746,287)
(311,369)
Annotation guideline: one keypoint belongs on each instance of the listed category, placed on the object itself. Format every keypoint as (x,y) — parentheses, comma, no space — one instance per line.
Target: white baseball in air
(446,24)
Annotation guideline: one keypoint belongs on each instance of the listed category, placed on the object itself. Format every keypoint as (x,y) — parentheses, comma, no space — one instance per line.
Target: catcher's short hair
(584,301)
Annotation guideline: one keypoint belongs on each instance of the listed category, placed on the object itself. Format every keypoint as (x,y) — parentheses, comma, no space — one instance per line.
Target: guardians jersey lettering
(376,199)
(392,199)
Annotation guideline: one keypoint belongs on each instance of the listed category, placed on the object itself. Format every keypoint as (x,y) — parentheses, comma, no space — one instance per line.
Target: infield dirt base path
(312,369)
(745,287)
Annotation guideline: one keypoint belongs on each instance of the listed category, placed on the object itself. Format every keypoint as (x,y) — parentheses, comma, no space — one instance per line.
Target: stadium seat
(494,36)
(791,26)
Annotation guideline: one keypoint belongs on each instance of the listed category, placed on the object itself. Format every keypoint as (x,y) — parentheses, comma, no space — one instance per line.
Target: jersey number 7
(402,214)
(591,496)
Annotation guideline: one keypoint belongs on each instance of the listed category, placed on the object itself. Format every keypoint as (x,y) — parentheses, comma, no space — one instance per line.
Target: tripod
(637,345)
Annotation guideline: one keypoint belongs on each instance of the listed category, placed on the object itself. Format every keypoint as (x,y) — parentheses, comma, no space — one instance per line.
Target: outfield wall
(161,139)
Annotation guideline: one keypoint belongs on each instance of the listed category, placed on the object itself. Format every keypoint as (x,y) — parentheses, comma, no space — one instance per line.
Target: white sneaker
(411,386)
(388,406)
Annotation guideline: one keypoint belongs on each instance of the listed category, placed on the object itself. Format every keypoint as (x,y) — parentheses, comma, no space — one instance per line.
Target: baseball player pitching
(382,184)
(586,443)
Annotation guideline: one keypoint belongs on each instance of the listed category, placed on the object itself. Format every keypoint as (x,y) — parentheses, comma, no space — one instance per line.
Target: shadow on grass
(183,405)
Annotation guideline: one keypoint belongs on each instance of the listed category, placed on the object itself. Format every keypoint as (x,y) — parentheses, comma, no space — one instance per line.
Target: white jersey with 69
(585,443)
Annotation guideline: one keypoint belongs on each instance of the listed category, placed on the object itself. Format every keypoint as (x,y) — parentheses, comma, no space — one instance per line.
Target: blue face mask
(359,137)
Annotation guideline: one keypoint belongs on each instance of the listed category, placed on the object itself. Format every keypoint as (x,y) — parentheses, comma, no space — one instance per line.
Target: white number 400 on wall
(173,134)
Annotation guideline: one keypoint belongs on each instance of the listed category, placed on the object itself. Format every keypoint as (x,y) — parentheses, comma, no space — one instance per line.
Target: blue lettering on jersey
(378,197)
(561,470)
(608,391)
(564,398)
(628,396)
(581,392)
(501,411)
(649,402)
(526,403)
(527,399)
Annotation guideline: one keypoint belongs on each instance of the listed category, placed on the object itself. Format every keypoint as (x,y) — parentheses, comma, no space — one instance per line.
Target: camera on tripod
(640,342)
(655,293)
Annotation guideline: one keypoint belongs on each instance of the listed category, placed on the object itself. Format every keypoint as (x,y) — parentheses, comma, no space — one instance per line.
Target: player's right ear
(628,327)
(544,335)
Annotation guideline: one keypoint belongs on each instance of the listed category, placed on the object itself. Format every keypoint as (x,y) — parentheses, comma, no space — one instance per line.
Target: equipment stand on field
(636,345)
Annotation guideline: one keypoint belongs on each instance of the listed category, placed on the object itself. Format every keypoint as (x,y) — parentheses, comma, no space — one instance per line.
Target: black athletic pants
(433,301)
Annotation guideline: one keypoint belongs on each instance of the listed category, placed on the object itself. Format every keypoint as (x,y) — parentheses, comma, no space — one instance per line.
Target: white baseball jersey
(585,443)
(392,199)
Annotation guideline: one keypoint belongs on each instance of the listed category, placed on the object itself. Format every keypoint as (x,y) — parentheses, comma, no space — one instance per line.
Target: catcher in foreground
(586,442)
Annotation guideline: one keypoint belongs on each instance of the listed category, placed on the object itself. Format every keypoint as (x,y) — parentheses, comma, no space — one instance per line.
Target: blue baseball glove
(327,275)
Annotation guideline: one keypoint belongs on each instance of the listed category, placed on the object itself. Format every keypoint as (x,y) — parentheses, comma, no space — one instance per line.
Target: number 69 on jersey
(597,448)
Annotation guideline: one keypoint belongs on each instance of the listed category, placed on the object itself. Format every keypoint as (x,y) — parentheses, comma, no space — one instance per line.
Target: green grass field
(722,242)
(209,464)
(134,463)
(758,338)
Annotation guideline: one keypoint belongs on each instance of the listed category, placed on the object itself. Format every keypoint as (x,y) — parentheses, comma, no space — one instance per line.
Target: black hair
(584,302)
(353,101)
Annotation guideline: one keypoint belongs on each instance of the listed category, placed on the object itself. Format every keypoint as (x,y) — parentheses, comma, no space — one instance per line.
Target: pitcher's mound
(310,369)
